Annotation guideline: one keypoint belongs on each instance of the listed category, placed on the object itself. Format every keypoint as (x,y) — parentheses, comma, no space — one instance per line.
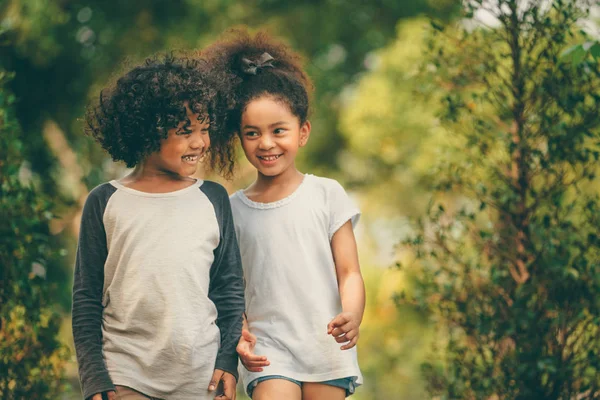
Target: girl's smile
(268,160)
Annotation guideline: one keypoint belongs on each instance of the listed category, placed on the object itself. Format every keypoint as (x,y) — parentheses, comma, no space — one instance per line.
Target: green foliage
(579,52)
(508,255)
(31,357)
(387,133)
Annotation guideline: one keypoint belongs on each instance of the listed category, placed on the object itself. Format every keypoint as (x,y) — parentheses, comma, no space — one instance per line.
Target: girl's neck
(290,177)
(267,189)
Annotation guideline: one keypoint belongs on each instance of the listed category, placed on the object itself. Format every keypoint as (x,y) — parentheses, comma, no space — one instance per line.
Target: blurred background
(467,132)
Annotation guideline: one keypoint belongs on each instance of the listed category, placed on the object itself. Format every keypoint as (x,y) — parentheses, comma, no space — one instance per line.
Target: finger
(216,377)
(351,344)
(339,320)
(112,395)
(257,363)
(341,339)
(337,332)
(352,334)
(254,367)
(249,357)
(229,387)
(347,327)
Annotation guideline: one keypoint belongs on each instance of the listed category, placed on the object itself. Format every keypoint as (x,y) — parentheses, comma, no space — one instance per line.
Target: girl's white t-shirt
(291,285)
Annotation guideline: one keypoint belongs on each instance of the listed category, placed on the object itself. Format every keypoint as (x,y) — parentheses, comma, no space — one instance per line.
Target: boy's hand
(344,328)
(245,349)
(228,385)
(107,395)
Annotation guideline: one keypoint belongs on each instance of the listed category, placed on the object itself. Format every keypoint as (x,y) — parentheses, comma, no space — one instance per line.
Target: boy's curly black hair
(278,73)
(134,113)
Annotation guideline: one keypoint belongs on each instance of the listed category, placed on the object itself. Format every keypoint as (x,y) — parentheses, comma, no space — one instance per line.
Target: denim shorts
(344,383)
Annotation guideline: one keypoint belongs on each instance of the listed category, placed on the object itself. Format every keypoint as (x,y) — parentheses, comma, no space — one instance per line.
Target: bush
(32,359)
(508,257)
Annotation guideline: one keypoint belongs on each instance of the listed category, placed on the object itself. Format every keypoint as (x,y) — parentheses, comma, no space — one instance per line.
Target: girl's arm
(345,326)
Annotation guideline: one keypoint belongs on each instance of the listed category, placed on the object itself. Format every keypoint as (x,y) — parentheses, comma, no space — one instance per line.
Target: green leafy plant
(507,259)
(31,357)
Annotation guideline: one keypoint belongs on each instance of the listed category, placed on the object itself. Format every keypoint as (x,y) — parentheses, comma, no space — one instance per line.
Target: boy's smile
(182,150)
(271,136)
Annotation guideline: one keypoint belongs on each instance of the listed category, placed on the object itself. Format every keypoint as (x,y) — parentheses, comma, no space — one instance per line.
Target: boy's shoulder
(103,188)
(102,192)
(214,190)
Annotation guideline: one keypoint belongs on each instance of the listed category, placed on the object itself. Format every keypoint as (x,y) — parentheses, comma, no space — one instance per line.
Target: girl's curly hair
(283,78)
(134,113)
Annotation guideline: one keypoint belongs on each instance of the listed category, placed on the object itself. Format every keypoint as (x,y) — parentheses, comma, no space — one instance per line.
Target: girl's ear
(304,133)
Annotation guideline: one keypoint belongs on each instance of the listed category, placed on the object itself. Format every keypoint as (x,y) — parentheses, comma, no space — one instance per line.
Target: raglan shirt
(291,283)
(158,293)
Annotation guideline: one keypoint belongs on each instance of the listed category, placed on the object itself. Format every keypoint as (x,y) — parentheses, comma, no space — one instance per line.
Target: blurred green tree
(32,358)
(508,254)
(63,52)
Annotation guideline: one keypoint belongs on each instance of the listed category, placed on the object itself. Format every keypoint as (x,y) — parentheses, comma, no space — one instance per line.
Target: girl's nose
(266,143)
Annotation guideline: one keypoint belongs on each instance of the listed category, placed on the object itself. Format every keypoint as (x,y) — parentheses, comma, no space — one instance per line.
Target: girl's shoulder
(323,184)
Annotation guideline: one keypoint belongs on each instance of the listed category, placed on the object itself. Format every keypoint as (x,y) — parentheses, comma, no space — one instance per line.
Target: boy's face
(182,150)
(271,135)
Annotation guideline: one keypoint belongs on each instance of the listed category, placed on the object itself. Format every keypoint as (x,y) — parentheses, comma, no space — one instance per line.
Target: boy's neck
(152,180)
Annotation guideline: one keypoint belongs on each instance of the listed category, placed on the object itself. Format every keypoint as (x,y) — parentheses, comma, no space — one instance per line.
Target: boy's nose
(198,142)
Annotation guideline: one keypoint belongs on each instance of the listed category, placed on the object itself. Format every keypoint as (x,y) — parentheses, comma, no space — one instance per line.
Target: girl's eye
(251,134)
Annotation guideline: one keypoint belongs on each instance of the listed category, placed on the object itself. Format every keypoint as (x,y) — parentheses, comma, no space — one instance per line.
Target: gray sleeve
(226,288)
(88,286)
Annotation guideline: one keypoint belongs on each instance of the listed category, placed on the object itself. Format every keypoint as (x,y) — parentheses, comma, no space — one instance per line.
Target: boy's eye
(279,130)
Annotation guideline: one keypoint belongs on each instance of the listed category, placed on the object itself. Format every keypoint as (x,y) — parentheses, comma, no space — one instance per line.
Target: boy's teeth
(190,158)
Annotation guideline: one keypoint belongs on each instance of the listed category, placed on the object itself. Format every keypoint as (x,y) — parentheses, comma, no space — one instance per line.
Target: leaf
(587,45)
(574,54)
(595,50)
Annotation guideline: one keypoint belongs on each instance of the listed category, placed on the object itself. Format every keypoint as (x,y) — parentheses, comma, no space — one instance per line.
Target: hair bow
(251,67)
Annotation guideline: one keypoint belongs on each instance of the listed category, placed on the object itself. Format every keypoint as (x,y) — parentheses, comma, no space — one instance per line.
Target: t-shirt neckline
(178,192)
(273,204)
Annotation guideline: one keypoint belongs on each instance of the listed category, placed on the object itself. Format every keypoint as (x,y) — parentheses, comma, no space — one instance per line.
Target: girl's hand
(228,385)
(245,349)
(344,328)
(108,395)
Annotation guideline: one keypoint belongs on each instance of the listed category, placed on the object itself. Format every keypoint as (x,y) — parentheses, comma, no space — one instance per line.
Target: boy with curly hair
(158,292)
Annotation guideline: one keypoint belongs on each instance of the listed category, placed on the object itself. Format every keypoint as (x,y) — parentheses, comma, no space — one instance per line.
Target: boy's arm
(87,299)
(351,287)
(227,287)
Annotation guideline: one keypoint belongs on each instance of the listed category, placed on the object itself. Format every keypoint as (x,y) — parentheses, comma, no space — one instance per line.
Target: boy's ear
(304,133)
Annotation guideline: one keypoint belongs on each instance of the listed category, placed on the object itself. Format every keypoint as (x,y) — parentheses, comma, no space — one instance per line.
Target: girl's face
(271,136)
(182,150)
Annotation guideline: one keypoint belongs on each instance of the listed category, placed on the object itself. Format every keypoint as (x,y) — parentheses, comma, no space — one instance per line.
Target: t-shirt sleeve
(226,281)
(341,208)
(88,286)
